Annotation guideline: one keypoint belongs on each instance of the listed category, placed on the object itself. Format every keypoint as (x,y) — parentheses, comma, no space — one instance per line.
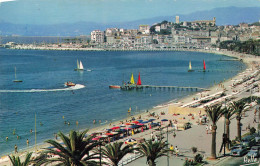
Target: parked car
(248,141)
(254,152)
(238,150)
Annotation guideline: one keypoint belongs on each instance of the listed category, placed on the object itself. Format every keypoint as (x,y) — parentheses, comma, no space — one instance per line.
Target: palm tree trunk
(213,143)
(238,129)
(227,131)
(151,163)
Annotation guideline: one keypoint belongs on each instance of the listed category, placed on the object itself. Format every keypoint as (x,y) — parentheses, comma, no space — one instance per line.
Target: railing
(129,159)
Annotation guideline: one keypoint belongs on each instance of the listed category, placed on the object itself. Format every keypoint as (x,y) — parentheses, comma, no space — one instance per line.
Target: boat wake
(76,87)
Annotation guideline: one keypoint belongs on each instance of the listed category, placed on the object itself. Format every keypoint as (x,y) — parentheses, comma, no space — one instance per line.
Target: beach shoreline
(161,107)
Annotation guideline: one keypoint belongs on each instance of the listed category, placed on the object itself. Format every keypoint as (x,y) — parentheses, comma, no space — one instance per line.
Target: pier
(178,88)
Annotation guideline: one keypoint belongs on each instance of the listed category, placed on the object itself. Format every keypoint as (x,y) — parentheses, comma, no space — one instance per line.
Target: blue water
(50,69)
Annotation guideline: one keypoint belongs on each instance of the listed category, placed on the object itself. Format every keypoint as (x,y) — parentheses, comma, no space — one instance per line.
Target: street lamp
(167,148)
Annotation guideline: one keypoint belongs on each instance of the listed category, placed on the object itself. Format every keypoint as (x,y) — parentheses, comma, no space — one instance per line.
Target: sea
(42,93)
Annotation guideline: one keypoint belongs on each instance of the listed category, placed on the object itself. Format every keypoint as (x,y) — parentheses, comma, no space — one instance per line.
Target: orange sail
(204,65)
(139,80)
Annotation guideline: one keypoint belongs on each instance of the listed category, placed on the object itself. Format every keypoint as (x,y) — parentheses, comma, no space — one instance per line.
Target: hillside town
(201,34)
(195,34)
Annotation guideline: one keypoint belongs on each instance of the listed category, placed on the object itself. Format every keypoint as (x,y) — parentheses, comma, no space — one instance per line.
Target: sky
(104,11)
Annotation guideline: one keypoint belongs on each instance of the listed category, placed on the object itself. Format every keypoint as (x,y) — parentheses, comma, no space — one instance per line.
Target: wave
(76,87)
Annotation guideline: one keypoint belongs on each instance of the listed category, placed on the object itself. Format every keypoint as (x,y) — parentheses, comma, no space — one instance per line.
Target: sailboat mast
(15,73)
(35,134)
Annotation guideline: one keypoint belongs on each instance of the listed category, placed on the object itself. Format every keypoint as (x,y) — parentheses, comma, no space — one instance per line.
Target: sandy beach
(196,135)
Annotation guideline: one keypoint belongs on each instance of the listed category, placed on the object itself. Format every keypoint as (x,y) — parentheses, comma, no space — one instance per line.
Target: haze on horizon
(104,11)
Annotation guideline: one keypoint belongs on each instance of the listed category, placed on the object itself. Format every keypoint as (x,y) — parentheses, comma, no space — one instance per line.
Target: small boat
(114,87)
(139,80)
(69,83)
(15,76)
(79,66)
(190,68)
(204,66)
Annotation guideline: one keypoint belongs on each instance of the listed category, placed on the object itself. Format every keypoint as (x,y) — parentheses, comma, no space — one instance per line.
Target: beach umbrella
(135,122)
(127,123)
(123,125)
(109,134)
(114,132)
(116,127)
(163,120)
(122,130)
(140,124)
(150,120)
(103,136)
(145,122)
(95,139)
(140,120)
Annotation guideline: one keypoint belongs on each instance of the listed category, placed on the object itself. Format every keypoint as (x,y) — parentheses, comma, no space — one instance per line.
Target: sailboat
(204,66)
(139,80)
(190,68)
(132,81)
(79,66)
(15,76)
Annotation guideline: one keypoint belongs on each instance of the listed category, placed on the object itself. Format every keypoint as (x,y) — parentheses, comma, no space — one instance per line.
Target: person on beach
(18,137)
(152,136)
(171,149)
(207,128)
(6,138)
(77,123)
(176,151)
(174,135)
(254,120)
(27,141)
(31,131)
(15,149)
(210,128)
(94,121)
(14,132)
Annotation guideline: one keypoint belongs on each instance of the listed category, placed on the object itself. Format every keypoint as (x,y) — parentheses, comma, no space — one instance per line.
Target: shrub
(198,158)
(194,149)
(252,130)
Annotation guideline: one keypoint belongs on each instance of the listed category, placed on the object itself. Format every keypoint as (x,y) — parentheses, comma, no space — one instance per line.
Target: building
(97,36)
(157,28)
(177,19)
(145,29)
(205,22)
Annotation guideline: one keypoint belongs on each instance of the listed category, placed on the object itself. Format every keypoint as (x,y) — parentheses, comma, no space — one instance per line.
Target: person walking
(171,149)
(176,151)
(210,128)
(207,128)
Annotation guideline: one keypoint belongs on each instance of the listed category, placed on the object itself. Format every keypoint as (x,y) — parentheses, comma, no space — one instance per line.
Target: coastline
(162,107)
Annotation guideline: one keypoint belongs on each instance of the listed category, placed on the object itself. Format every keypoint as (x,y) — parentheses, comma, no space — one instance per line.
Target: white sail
(77,64)
(81,66)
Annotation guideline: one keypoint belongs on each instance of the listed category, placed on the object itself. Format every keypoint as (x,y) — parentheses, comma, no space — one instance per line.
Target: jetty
(178,88)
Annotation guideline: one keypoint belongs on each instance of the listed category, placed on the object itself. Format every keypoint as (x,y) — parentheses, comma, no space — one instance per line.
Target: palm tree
(228,114)
(238,107)
(73,154)
(214,113)
(153,150)
(114,152)
(17,162)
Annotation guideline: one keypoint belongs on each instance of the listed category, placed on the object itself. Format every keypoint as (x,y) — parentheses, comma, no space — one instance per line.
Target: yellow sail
(132,79)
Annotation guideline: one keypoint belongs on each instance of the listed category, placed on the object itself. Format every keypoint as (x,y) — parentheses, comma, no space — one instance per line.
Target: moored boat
(15,76)
(114,86)
(79,66)
(190,68)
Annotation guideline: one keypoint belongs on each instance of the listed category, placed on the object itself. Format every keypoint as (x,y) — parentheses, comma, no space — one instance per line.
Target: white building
(177,19)
(97,36)
(157,28)
(145,29)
